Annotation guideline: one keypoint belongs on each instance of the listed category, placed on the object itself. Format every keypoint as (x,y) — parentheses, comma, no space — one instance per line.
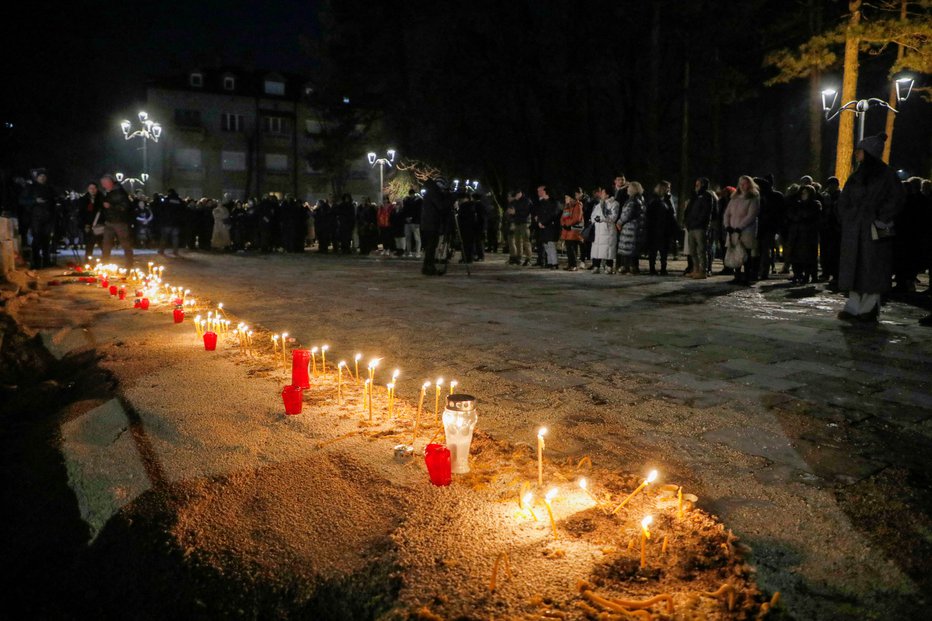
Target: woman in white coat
(220,240)
(604,215)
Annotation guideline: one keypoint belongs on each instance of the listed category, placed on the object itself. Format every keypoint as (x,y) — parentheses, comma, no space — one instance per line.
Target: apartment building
(242,133)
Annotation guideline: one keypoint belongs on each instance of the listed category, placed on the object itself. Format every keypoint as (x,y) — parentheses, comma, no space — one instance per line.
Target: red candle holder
(178,315)
(300,359)
(137,303)
(144,304)
(210,341)
(437,458)
(293,396)
(78,269)
(104,284)
(113,289)
(139,293)
(121,293)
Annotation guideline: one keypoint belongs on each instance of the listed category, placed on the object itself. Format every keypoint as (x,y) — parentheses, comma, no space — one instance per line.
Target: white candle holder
(459,420)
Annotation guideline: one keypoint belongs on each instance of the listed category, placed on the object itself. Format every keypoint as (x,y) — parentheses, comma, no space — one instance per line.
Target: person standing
(696,219)
(629,225)
(220,236)
(740,222)
(492,222)
(119,214)
(411,210)
(802,235)
(519,241)
(384,220)
(548,223)
(170,217)
(571,225)
(41,209)
(870,202)
(830,233)
(92,204)
(661,227)
(435,218)
(605,244)
(345,223)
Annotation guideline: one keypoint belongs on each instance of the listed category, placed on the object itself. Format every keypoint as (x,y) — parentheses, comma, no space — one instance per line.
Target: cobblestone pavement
(810,437)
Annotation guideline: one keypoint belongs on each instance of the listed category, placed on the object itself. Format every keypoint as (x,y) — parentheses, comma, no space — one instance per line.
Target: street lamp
(387,160)
(149,130)
(904,86)
(132,181)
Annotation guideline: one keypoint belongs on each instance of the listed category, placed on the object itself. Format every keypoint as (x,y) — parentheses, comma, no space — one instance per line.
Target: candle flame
(342,364)
(395,374)
(220,305)
(325,348)
(652,476)
(528,498)
(647,521)
(550,495)
(313,350)
(426,385)
(439,381)
(374,363)
(541,432)
(453,383)
(583,483)
(358,357)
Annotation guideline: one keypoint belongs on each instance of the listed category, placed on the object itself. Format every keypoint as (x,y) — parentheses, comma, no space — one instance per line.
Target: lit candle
(584,485)
(220,308)
(453,384)
(197,326)
(323,358)
(391,397)
(528,500)
(340,381)
(679,503)
(645,535)
(369,388)
(249,342)
(420,408)
(540,455)
(547,500)
(356,359)
(439,385)
(365,395)
(651,477)
(314,361)
(284,349)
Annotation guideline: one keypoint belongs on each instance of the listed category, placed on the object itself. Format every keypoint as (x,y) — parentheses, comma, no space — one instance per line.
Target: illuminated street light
(149,130)
(904,86)
(387,160)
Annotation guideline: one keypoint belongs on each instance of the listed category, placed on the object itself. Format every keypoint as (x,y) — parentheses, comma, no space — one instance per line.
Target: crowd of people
(875,233)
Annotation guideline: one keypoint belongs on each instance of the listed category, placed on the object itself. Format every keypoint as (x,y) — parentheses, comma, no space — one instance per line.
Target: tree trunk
(684,141)
(891,115)
(653,112)
(848,93)
(815,98)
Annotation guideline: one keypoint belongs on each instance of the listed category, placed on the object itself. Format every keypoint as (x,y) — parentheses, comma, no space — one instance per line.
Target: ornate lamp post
(904,86)
(387,160)
(149,130)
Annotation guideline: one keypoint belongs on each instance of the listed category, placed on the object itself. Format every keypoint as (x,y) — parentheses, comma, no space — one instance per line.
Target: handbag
(588,233)
(97,229)
(735,254)
(880,233)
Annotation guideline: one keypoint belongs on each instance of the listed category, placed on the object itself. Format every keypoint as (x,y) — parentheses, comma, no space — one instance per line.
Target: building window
(229,83)
(231,122)
(274,87)
(313,126)
(276,161)
(233,160)
(274,125)
(187,118)
(196,80)
(188,159)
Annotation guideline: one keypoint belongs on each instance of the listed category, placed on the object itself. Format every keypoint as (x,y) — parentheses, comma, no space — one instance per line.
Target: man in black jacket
(171,213)
(41,209)
(435,220)
(696,220)
(661,227)
(519,241)
(119,214)
(411,212)
(769,223)
(91,205)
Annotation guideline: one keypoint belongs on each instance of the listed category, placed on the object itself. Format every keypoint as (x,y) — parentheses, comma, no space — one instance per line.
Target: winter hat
(873,145)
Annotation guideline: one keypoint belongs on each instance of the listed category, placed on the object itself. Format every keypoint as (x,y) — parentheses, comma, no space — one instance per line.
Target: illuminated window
(233,160)
(274,87)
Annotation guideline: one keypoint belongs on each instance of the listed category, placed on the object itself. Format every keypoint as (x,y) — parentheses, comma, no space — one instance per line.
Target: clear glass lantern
(459,420)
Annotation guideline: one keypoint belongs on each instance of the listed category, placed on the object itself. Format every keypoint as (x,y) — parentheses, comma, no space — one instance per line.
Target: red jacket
(572,217)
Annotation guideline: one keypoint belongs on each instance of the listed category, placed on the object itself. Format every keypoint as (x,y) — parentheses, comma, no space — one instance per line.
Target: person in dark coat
(830,232)
(769,224)
(479,227)
(367,226)
(411,212)
(661,227)
(869,204)
(119,216)
(345,213)
(549,212)
(907,244)
(435,221)
(802,235)
(493,222)
(696,219)
(91,205)
(41,209)
(171,214)
(465,211)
